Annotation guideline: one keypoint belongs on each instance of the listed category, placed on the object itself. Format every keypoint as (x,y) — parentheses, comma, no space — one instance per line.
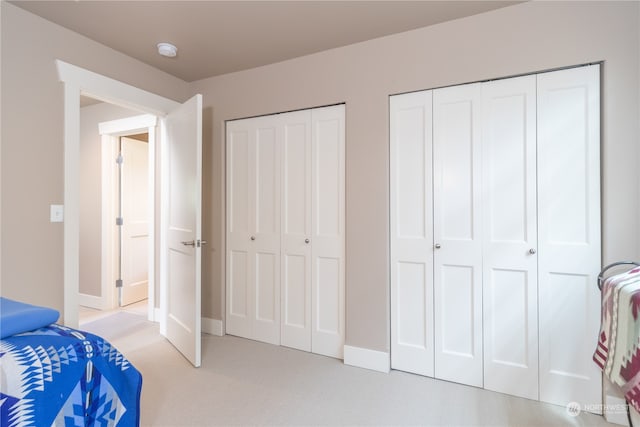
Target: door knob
(437,246)
(189,243)
(253,237)
(306,240)
(203,242)
(532,251)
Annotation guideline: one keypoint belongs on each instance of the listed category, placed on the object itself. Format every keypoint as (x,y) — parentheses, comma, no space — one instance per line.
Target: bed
(54,375)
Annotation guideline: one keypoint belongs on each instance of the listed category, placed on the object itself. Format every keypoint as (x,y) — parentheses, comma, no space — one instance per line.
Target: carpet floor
(243,382)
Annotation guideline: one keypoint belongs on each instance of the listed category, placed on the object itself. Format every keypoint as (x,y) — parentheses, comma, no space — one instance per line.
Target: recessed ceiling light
(167,49)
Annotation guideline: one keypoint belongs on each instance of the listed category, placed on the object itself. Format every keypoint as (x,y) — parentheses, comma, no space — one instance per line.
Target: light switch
(57,213)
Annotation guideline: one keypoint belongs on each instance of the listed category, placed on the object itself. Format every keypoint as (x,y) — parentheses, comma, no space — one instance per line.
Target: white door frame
(78,81)
(109,132)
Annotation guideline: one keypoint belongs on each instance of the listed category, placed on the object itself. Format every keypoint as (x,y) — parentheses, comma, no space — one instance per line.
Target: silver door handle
(437,246)
(253,237)
(203,242)
(532,251)
(306,240)
(189,243)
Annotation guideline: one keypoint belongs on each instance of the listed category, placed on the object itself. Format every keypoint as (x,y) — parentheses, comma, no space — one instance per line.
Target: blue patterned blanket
(63,377)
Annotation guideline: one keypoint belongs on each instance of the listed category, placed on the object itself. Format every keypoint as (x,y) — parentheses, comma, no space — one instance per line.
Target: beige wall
(32,143)
(91,192)
(524,38)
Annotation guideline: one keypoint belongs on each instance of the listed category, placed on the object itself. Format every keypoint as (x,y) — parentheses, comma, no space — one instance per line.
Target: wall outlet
(57,213)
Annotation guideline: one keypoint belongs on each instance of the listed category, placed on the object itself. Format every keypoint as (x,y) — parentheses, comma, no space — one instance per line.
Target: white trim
(91,301)
(212,326)
(612,413)
(76,81)
(128,125)
(108,146)
(367,359)
(113,91)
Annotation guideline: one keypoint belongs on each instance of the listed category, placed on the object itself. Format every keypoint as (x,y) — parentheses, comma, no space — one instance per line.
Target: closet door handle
(253,237)
(437,246)
(306,240)
(532,251)
(189,243)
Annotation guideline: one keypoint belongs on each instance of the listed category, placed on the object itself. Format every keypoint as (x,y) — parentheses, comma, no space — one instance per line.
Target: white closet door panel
(510,292)
(569,233)
(239,253)
(296,229)
(457,230)
(327,236)
(266,246)
(411,233)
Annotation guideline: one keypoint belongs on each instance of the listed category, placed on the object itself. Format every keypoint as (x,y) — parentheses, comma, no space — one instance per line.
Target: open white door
(182,190)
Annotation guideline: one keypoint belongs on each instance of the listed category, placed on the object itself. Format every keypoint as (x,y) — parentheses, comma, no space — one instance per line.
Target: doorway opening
(118,244)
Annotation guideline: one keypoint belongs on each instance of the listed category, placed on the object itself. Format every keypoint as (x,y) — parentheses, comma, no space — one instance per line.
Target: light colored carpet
(243,382)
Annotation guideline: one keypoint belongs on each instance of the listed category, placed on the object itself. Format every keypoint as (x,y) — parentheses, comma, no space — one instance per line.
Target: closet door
(411,219)
(253,213)
(510,283)
(296,229)
(239,267)
(327,234)
(457,234)
(569,233)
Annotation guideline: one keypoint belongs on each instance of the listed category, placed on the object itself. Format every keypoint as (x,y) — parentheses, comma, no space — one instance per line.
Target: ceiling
(219,37)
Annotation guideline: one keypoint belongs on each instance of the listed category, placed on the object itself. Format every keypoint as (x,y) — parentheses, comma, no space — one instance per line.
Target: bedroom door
(134,191)
(182,190)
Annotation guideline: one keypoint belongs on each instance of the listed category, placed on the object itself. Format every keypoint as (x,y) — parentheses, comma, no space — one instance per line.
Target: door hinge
(119,283)
(119,220)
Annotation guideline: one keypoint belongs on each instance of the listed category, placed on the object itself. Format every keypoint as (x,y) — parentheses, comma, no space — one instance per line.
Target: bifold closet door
(253,236)
(296,229)
(457,234)
(411,220)
(286,228)
(328,230)
(569,234)
(510,282)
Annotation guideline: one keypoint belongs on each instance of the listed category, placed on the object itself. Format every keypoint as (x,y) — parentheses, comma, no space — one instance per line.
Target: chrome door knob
(306,240)
(437,246)
(532,251)
(253,237)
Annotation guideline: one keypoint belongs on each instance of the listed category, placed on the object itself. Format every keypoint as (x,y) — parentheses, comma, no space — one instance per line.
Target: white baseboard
(90,301)
(613,411)
(212,326)
(365,358)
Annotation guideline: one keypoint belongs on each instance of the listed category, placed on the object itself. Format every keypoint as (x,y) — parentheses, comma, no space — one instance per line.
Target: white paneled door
(510,282)
(285,229)
(569,233)
(411,233)
(253,239)
(296,229)
(457,230)
(328,230)
(135,229)
(183,190)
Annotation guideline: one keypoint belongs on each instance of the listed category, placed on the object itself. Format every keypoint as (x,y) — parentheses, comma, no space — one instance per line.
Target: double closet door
(495,234)
(285,229)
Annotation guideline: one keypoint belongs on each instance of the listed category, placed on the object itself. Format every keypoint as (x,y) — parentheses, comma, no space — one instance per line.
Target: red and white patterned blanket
(618,350)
